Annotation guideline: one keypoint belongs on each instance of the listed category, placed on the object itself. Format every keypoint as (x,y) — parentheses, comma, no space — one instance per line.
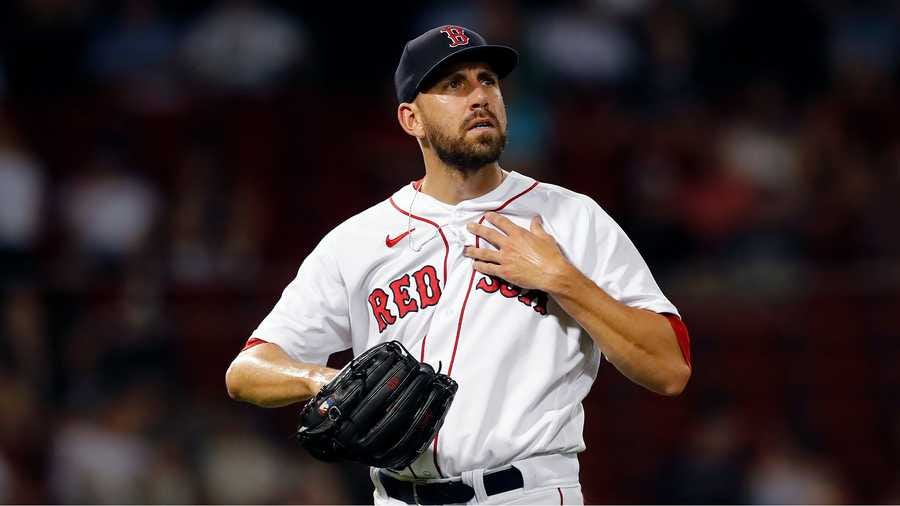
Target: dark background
(166,166)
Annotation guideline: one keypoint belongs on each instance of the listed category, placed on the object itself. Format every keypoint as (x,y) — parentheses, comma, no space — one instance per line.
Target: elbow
(233,383)
(677,381)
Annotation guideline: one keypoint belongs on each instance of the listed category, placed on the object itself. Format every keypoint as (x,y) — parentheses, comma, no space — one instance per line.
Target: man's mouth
(481,124)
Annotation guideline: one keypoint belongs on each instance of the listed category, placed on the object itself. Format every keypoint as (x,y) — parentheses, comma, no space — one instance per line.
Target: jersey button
(428,474)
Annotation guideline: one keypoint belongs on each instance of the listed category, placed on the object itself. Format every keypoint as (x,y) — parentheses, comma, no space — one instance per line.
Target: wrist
(321,377)
(562,279)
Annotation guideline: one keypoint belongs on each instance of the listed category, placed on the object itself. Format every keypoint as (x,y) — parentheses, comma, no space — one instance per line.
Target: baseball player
(514,287)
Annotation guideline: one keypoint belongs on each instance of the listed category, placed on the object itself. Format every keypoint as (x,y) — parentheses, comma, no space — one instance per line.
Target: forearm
(639,343)
(266,376)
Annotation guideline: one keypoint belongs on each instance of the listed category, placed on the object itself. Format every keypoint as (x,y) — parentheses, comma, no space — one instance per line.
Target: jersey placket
(440,346)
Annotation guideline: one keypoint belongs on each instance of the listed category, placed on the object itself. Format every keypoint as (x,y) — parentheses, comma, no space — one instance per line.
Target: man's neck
(452,186)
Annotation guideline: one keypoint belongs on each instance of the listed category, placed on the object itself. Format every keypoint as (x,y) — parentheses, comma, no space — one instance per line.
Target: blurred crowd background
(165,166)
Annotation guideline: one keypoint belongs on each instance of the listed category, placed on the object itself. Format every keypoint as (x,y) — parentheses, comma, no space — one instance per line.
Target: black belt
(450,492)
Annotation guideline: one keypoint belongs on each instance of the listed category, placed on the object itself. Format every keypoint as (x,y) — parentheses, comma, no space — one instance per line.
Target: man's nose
(479,97)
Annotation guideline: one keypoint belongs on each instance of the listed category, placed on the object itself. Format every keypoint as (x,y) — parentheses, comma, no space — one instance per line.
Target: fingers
(487,268)
(484,254)
(492,236)
(503,223)
(508,229)
(537,225)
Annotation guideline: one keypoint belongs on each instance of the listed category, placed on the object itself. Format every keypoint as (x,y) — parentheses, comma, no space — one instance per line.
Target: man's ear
(410,119)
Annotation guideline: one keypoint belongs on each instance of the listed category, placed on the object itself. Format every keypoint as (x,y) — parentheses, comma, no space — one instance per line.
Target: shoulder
(351,242)
(364,222)
(568,202)
(563,195)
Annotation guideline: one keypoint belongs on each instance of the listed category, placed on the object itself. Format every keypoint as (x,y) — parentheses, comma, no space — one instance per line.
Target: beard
(463,154)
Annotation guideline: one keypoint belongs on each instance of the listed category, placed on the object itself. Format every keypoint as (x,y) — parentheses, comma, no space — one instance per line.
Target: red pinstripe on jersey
(443,237)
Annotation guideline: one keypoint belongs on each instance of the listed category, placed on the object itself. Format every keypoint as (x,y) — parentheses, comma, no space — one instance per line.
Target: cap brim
(502,59)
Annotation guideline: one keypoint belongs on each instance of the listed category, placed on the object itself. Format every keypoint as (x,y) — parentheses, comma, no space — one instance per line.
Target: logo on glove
(326,404)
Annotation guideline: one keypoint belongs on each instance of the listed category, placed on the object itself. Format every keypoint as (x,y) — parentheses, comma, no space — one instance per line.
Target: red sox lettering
(493,284)
(428,289)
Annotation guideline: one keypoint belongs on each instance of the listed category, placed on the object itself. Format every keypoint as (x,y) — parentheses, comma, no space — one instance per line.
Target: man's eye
(455,83)
(489,81)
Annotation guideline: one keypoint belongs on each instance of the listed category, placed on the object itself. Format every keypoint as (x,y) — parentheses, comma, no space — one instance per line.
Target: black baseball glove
(382,410)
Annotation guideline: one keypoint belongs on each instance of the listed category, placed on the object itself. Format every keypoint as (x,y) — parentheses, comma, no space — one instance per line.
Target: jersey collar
(429,207)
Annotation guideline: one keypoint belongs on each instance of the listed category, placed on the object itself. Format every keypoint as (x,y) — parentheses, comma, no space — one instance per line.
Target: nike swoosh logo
(390,243)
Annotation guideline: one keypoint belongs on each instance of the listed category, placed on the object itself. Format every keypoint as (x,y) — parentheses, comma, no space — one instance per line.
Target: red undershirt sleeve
(681,333)
(253,341)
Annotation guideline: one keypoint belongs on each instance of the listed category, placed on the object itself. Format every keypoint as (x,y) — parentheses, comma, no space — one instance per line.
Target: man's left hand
(527,258)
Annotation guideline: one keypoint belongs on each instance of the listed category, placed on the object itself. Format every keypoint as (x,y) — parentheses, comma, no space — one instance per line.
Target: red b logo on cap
(456,35)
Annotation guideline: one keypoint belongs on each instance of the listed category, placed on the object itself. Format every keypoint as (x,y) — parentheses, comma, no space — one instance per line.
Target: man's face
(464,116)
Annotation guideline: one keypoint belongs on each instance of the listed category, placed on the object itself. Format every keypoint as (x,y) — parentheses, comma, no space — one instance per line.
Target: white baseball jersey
(397,271)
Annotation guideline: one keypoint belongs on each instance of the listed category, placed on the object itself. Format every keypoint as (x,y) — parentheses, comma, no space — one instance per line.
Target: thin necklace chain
(409,235)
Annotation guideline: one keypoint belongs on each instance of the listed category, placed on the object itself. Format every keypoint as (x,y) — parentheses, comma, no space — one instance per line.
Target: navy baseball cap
(427,55)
